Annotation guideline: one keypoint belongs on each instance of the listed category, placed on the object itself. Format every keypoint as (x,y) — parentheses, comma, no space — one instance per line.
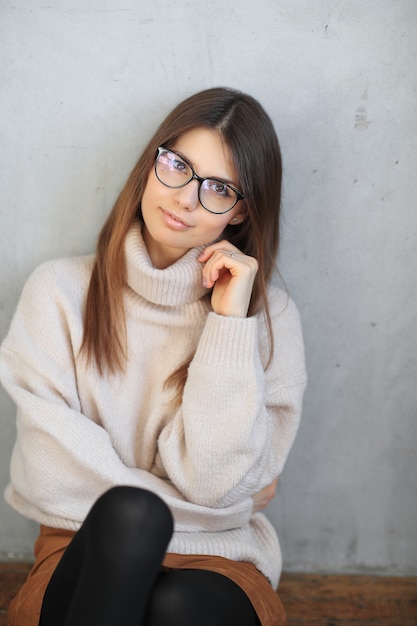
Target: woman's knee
(124,515)
(189,597)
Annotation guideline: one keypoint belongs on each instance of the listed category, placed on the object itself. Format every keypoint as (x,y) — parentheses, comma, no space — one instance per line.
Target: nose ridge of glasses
(199,179)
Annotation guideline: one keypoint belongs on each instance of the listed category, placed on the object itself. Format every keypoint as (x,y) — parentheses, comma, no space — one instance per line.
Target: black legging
(110,574)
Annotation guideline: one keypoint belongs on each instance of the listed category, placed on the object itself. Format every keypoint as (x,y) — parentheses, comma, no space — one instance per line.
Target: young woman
(159,387)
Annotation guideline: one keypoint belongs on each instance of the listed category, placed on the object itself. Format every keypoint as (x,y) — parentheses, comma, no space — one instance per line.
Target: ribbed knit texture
(79,433)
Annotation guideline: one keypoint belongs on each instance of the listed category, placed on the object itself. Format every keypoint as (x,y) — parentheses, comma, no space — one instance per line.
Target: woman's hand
(231,274)
(264,497)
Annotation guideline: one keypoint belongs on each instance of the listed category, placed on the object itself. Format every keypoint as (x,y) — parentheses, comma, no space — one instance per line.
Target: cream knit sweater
(79,433)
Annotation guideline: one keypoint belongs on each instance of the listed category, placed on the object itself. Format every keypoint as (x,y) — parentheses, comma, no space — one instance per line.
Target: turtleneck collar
(180,283)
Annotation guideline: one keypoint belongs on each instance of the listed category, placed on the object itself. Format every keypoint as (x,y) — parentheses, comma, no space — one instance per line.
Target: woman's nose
(187,196)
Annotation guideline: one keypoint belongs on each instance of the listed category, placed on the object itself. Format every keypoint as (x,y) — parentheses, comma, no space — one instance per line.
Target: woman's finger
(223,245)
(235,263)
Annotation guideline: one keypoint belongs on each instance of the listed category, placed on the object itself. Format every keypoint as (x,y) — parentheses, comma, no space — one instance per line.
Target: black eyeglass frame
(200,179)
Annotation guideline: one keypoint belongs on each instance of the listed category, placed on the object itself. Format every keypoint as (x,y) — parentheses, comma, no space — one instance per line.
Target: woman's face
(174,219)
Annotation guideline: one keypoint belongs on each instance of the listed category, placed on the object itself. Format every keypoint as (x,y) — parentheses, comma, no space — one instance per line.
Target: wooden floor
(316,600)
(313,600)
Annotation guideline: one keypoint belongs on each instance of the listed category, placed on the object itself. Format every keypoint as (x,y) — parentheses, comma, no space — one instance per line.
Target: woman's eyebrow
(189,162)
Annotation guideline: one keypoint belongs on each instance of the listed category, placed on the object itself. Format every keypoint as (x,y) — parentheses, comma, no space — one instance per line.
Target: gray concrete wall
(83,83)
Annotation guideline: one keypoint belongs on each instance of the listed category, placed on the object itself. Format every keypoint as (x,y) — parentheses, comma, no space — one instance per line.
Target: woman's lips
(174,222)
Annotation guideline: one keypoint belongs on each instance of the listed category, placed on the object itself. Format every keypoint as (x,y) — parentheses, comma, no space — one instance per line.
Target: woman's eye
(180,166)
(219,188)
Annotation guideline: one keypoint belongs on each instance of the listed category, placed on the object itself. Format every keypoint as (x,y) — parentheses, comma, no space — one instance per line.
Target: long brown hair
(250,136)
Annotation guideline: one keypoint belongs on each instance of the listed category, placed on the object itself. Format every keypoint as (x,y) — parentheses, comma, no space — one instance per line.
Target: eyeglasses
(214,195)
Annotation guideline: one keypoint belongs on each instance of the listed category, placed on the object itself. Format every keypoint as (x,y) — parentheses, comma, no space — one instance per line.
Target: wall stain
(361,118)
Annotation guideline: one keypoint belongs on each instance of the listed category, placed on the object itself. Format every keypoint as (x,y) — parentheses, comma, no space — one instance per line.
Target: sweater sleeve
(62,460)
(237,423)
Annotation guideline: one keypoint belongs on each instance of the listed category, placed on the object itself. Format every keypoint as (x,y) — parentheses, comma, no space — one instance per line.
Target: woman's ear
(237,219)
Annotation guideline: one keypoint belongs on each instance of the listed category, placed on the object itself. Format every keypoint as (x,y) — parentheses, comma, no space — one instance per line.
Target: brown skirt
(25,608)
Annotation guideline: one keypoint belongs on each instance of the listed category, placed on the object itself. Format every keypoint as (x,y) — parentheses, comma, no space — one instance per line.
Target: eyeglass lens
(215,195)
